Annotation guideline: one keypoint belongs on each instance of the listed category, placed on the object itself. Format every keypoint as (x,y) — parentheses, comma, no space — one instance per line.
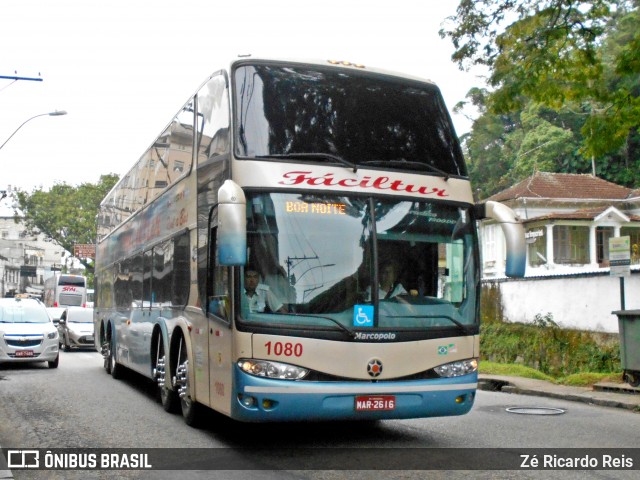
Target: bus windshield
(317,258)
(343,116)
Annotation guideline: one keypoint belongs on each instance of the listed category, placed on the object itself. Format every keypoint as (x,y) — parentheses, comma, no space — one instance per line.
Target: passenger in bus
(258,295)
(390,285)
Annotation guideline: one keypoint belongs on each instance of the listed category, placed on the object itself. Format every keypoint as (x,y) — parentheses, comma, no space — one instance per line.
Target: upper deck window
(370,120)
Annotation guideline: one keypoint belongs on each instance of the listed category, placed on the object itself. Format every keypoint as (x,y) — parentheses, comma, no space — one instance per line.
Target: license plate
(373,403)
(24,353)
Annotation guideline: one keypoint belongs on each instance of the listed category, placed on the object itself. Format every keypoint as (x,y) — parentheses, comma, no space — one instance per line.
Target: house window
(570,244)
(489,237)
(537,245)
(603,234)
(634,237)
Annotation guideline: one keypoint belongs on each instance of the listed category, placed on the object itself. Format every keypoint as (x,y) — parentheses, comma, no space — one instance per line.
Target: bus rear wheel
(191,410)
(113,367)
(104,350)
(168,397)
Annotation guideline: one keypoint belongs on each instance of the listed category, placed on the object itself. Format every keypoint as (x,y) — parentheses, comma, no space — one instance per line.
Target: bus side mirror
(513,232)
(231,244)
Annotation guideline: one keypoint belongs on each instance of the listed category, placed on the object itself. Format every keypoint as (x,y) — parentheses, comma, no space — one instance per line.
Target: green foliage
(578,60)
(492,368)
(589,378)
(583,379)
(544,346)
(65,213)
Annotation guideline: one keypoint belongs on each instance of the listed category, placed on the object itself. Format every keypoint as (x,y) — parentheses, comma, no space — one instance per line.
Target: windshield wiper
(408,163)
(317,156)
(342,327)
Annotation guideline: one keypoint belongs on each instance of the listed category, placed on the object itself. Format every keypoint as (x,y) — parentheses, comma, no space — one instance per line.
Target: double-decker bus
(65,290)
(238,259)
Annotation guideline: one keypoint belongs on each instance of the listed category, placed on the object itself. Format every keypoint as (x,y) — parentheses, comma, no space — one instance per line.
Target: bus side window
(217,283)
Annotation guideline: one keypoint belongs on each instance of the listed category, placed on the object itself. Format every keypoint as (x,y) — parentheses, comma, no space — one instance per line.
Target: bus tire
(168,397)
(105,356)
(114,367)
(191,410)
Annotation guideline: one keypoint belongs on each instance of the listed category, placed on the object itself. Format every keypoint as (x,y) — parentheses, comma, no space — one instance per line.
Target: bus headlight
(456,369)
(269,369)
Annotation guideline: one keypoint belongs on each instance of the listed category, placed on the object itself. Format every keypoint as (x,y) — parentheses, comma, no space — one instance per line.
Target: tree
(558,53)
(503,149)
(65,213)
(486,147)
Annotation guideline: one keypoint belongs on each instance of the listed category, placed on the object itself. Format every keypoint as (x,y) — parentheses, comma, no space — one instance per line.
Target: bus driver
(390,286)
(259,296)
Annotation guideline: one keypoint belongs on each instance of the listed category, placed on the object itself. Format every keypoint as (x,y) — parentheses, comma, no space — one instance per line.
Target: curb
(604,395)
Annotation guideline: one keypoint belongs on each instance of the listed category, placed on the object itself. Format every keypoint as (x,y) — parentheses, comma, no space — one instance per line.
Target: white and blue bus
(312,177)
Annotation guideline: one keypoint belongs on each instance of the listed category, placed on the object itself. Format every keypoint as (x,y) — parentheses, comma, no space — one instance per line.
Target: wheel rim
(106,354)
(182,378)
(112,359)
(160,371)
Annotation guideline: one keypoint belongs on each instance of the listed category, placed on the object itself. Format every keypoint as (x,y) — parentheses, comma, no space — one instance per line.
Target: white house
(25,260)
(568,221)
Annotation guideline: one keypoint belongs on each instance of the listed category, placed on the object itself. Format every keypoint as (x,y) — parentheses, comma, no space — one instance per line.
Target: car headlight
(266,368)
(52,335)
(457,369)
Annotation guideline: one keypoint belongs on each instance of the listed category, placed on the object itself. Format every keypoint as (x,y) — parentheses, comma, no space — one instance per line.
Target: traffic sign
(84,250)
(27,270)
(620,256)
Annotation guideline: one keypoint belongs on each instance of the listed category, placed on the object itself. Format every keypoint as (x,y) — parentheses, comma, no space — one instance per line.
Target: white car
(76,328)
(27,333)
(55,313)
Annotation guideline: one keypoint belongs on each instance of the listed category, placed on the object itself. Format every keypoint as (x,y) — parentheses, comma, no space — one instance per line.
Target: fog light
(267,404)
(247,400)
(460,399)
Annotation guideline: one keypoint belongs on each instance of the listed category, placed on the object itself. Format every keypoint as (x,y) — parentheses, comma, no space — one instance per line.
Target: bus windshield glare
(368,121)
(318,256)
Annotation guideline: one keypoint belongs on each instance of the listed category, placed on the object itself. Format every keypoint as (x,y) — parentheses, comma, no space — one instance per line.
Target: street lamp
(57,113)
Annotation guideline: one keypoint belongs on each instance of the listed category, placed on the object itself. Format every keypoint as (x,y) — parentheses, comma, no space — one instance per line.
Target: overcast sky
(122,69)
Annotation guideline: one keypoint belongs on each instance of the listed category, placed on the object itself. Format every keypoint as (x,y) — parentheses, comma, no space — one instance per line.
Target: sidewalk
(616,395)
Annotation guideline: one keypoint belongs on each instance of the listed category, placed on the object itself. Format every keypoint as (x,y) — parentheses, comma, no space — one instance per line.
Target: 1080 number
(284,349)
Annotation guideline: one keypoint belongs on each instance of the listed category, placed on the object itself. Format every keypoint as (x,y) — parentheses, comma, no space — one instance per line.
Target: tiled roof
(563,185)
(634,193)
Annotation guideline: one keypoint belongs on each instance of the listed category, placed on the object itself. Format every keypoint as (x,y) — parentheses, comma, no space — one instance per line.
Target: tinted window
(370,120)
(181,271)
(162,273)
(71,280)
(166,160)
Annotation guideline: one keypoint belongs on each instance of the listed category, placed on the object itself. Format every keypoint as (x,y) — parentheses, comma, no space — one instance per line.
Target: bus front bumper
(263,400)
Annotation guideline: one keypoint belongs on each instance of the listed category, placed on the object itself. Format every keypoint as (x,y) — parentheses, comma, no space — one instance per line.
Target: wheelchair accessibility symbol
(363,315)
